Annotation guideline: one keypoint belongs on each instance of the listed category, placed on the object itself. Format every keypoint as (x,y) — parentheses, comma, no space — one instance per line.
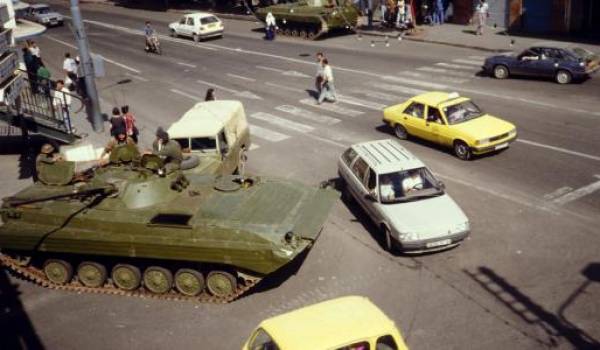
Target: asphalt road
(517,282)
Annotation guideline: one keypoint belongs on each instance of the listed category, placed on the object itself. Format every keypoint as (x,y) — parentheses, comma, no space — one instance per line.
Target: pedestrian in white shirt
(69,64)
(62,102)
(327,86)
(481,12)
(271,26)
(34,49)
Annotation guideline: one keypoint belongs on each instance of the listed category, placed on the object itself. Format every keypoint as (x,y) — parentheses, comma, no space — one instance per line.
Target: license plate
(438,243)
(501,146)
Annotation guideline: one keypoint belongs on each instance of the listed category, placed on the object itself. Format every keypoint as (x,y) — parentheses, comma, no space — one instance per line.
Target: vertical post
(93,109)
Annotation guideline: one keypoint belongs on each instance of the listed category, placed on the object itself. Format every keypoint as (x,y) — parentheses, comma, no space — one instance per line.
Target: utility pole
(93,104)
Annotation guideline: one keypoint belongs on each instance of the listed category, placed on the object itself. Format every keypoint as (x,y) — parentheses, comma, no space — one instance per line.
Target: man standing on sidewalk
(327,87)
(481,13)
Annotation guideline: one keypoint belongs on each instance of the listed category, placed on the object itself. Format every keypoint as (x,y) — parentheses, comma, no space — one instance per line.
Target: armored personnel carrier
(124,229)
(311,19)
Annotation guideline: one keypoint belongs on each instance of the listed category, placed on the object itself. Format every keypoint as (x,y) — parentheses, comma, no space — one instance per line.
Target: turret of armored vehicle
(124,229)
(310,19)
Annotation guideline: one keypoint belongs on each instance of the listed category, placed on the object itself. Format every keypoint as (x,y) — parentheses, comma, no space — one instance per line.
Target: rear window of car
(209,20)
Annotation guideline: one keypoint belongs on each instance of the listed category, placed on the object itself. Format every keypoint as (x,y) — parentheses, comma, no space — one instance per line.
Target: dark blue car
(563,65)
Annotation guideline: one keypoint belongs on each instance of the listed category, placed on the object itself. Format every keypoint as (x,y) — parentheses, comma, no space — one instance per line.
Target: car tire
(196,37)
(400,132)
(501,71)
(172,33)
(346,195)
(563,77)
(389,242)
(462,150)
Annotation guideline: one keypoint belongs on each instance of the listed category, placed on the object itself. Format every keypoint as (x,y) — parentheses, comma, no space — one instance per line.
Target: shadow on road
(16,330)
(556,326)
(10,145)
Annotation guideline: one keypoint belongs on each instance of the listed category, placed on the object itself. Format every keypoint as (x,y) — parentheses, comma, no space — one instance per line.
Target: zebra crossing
(306,119)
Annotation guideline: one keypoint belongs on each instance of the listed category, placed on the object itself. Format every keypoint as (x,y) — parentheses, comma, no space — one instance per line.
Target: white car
(402,197)
(198,26)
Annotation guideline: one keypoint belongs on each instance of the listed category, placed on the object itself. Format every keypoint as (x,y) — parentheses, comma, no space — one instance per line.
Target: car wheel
(563,77)
(500,72)
(196,37)
(346,195)
(462,150)
(400,132)
(172,33)
(389,240)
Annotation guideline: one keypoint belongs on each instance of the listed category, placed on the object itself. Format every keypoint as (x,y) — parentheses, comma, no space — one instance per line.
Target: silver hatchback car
(402,197)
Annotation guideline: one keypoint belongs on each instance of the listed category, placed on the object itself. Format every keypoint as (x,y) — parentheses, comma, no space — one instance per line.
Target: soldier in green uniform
(47,156)
(51,168)
(120,140)
(169,150)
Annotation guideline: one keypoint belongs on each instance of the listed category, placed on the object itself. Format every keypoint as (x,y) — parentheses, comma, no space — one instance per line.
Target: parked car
(564,65)
(402,197)
(350,322)
(198,26)
(450,120)
(43,14)
(214,136)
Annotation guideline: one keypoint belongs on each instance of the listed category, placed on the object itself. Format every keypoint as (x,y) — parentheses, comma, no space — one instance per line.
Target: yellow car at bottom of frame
(450,120)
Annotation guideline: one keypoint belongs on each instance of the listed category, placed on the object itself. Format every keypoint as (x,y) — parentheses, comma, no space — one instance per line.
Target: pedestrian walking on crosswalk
(319,75)
(327,84)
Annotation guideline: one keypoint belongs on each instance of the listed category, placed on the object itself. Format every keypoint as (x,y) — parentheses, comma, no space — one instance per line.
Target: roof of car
(386,156)
(200,14)
(205,119)
(435,98)
(328,324)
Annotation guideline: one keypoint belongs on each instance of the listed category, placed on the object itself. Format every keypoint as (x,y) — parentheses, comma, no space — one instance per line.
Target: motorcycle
(153,45)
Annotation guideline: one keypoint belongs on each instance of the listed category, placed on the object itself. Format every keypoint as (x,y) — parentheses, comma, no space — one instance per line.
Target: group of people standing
(396,12)
(122,122)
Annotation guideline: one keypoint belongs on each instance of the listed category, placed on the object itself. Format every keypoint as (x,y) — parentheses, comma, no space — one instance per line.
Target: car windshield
(461,112)
(407,185)
(208,20)
(42,10)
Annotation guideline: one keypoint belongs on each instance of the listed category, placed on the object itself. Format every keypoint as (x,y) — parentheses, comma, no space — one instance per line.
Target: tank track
(38,277)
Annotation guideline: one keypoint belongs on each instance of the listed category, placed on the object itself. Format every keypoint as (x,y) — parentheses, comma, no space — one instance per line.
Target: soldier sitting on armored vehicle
(169,150)
(121,149)
(51,168)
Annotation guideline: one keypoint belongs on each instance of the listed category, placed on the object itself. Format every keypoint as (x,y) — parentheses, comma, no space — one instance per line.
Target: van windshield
(204,144)
(413,184)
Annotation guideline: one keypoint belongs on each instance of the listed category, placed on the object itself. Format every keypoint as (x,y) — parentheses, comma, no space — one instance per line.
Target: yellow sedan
(450,120)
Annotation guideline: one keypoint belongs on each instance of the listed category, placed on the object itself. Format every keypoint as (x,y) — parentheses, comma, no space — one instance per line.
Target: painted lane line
(270,69)
(281,122)
(266,134)
(295,74)
(397,88)
(185,94)
(253,147)
(469,62)
(440,78)
(359,102)
(578,193)
(558,193)
(378,95)
(131,69)
(419,83)
(559,149)
(186,64)
(288,88)
(240,77)
(246,94)
(455,66)
(306,114)
(331,142)
(331,107)
(445,71)
(135,76)
(477,57)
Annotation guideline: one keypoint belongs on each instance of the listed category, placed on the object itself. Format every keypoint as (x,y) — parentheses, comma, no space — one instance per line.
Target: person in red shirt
(130,127)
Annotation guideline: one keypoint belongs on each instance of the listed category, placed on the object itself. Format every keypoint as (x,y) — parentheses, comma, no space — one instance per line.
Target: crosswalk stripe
(441,78)
(397,88)
(419,83)
(282,122)
(478,57)
(240,77)
(270,69)
(267,134)
(445,71)
(359,102)
(306,114)
(253,147)
(455,66)
(471,62)
(331,107)
(378,95)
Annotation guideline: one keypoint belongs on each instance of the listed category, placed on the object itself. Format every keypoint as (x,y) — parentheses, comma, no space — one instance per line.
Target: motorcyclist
(149,33)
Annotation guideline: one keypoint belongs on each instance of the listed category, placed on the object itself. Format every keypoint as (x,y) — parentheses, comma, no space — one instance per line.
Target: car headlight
(45,19)
(465,226)
(408,236)
(482,141)
(581,64)
(512,133)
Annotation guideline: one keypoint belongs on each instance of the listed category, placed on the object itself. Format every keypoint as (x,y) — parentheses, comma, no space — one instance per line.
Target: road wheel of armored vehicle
(91,274)
(303,34)
(189,282)
(58,271)
(295,33)
(126,277)
(158,280)
(221,283)
(287,32)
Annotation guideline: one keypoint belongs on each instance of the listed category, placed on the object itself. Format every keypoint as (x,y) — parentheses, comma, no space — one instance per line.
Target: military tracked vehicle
(312,19)
(124,229)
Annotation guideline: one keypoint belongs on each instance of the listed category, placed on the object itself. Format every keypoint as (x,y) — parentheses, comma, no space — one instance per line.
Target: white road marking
(378,95)
(478,57)
(396,88)
(559,192)
(282,122)
(186,64)
(445,71)
(331,142)
(419,83)
(124,66)
(455,66)
(293,73)
(246,94)
(470,62)
(253,146)
(331,107)
(559,149)
(439,78)
(266,134)
(135,76)
(359,102)
(185,94)
(288,88)
(578,193)
(271,69)
(240,77)
(306,114)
